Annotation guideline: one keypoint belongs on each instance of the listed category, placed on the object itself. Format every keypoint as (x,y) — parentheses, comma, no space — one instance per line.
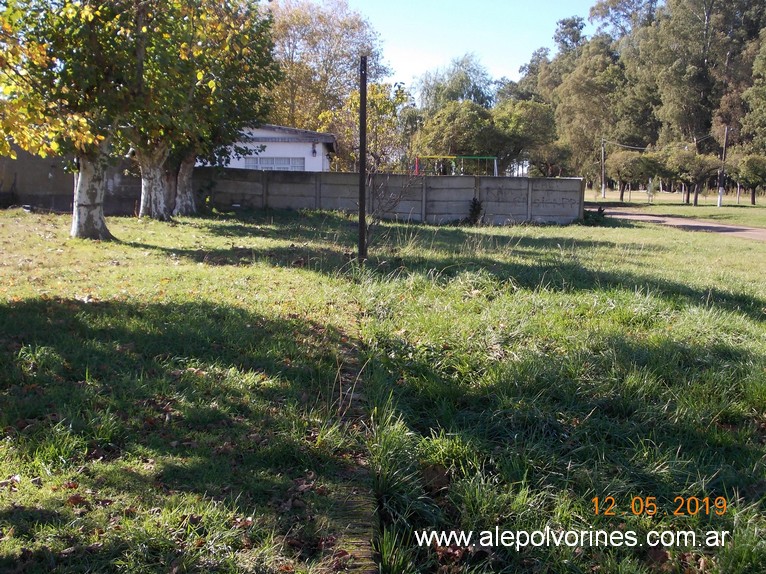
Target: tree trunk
(752,195)
(696,194)
(88,220)
(154,202)
(171,184)
(622,191)
(186,203)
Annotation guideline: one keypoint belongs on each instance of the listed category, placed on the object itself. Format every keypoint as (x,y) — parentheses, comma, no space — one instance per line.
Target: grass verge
(671,204)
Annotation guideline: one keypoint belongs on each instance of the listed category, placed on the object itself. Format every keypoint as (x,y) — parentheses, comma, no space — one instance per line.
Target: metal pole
(362,255)
(603,169)
(722,173)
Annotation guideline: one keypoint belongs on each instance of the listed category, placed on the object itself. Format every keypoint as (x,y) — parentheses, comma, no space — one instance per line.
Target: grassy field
(170,401)
(731,212)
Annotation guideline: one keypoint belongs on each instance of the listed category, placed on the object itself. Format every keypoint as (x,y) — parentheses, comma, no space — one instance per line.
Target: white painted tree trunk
(88,220)
(186,203)
(154,202)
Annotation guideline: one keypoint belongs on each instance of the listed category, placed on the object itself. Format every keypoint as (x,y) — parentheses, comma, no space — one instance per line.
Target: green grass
(731,212)
(542,369)
(168,398)
(745,215)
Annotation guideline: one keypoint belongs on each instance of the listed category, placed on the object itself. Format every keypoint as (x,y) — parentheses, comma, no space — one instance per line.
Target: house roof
(285,134)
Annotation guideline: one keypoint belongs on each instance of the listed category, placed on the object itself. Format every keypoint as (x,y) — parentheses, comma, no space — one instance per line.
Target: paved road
(689,224)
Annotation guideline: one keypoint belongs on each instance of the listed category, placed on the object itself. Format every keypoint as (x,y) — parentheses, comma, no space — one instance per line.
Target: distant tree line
(661,87)
(660,84)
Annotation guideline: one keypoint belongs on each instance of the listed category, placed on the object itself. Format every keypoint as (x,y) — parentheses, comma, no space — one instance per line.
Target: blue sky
(422,35)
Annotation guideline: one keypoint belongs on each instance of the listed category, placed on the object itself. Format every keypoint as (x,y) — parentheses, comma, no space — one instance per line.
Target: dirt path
(354,509)
(689,224)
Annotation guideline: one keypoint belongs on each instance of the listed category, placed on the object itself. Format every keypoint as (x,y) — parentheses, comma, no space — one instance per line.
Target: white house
(278,148)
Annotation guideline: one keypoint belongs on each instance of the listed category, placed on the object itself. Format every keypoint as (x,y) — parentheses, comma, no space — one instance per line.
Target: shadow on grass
(148,402)
(323,242)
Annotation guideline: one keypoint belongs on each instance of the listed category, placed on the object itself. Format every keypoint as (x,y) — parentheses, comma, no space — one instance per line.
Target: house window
(276,163)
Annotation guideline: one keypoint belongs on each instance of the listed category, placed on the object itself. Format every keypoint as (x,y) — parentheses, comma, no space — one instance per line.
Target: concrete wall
(414,198)
(45,184)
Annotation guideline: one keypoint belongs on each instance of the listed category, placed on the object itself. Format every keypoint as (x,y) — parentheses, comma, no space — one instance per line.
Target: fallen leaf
(435,478)
(340,553)
(294,543)
(327,542)
(657,556)
(450,554)
(192,519)
(243,522)
(77,500)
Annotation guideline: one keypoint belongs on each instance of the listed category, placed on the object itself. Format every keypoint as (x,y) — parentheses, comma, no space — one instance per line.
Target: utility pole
(722,172)
(362,254)
(603,169)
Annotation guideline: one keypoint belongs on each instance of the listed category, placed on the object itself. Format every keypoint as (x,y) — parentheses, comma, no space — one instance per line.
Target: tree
(624,166)
(318,47)
(586,108)
(202,70)
(464,80)
(738,29)
(692,169)
(386,145)
(64,70)
(525,128)
(23,113)
(137,73)
(527,87)
(752,173)
(551,160)
(568,35)
(699,51)
(623,17)
(629,166)
(459,128)
(754,122)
